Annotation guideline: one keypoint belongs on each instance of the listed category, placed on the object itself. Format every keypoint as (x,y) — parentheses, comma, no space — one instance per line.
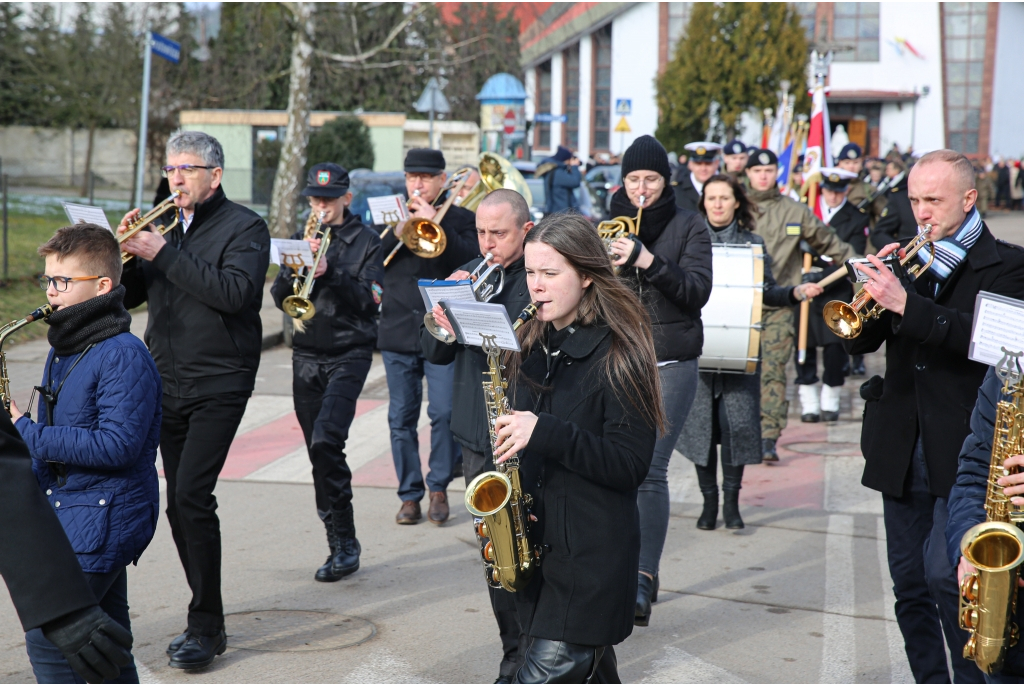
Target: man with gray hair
(204,284)
(916,419)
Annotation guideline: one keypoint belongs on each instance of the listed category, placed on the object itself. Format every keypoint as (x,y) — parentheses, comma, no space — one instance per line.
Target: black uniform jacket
(589,453)
(676,285)
(849,223)
(897,223)
(402,312)
(205,290)
(469,423)
(929,381)
(687,196)
(346,296)
(36,561)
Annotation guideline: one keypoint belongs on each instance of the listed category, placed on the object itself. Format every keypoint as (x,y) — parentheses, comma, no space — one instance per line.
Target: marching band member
(782,222)
(911,439)
(398,339)
(851,225)
(585,387)
(204,285)
(332,353)
(727,407)
(503,222)
(688,183)
(668,265)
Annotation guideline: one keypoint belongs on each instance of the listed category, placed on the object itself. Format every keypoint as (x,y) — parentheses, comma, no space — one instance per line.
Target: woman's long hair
(632,366)
(745,212)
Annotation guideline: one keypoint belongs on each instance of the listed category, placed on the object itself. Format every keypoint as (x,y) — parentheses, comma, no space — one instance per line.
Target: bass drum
(732,316)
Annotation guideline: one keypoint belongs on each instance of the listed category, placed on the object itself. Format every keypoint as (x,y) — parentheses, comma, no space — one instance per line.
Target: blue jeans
(678,388)
(50,666)
(405,374)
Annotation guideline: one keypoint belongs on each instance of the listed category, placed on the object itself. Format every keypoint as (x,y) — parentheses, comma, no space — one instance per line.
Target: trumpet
(5,332)
(847,320)
(425,237)
(483,289)
(619,227)
(146,219)
(299,306)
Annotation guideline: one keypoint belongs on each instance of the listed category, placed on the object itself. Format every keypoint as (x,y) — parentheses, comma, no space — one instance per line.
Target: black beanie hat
(646,153)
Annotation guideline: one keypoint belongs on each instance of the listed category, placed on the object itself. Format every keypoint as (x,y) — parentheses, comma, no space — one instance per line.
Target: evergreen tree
(17,104)
(345,141)
(731,65)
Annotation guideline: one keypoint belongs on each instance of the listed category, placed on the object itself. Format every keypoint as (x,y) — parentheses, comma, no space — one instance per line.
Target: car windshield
(367,184)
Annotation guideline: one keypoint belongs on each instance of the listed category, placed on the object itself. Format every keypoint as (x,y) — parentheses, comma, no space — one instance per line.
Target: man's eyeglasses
(187,170)
(61,283)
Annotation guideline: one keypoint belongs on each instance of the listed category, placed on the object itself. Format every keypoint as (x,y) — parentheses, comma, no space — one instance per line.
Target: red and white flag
(819,148)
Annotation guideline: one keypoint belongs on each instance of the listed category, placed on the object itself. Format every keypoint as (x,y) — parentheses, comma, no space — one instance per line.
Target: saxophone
(495,498)
(988,597)
(5,332)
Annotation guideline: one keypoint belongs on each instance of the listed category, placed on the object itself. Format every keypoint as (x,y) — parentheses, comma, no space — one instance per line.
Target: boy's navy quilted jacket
(96,464)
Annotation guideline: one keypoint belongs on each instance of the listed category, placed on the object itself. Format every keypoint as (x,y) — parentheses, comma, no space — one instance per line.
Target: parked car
(366,183)
(602,182)
(540,202)
(527,169)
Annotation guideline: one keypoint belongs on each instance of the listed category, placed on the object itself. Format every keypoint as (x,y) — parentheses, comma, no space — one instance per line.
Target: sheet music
(387,209)
(998,323)
(473,320)
(292,253)
(86,214)
(433,292)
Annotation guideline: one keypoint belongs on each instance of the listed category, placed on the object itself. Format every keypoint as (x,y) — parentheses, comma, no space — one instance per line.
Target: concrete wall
(918,23)
(1007,135)
(56,157)
(634,69)
(236,139)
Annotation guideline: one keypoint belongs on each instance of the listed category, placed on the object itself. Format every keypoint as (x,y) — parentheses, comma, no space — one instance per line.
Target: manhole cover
(284,630)
(827,449)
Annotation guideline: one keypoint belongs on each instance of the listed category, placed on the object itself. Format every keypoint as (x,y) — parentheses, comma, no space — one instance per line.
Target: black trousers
(835,359)
(503,603)
(195,436)
(326,389)
(554,661)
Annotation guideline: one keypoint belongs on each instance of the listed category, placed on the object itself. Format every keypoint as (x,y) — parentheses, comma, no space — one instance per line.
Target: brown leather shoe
(438,512)
(409,514)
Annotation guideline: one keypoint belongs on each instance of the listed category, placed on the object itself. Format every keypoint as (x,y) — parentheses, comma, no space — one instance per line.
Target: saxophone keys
(489,552)
(971,648)
(969,587)
(969,619)
(481,529)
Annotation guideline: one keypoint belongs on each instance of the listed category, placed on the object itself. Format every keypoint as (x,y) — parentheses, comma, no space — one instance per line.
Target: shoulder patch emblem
(377,291)
(792,229)
(885,212)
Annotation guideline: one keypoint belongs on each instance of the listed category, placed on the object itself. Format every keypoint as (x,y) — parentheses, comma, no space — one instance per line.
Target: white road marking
(839,647)
(678,666)
(897,653)
(384,666)
(262,409)
(145,675)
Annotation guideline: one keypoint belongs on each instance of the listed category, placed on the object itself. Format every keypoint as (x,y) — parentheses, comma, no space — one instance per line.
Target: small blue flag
(785,162)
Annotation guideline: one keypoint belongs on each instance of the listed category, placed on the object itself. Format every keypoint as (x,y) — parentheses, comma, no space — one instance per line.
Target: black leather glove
(94,644)
(812,276)
(631,259)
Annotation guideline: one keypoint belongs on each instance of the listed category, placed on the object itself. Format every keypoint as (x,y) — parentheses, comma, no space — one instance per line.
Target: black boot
(709,517)
(323,574)
(346,557)
(731,509)
(644,591)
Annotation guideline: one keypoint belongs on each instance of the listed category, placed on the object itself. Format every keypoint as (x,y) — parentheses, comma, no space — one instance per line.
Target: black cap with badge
(734,147)
(762,158)
(326,180)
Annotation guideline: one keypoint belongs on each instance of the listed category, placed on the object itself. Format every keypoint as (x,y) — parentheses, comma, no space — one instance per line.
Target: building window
(571,106)
(808,12)
(856,24)
(543,139)
(964,25)
(602,87)
(678,19)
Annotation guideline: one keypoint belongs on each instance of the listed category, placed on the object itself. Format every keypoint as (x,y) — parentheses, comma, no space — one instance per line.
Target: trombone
(146,219)
(847,320)
(299,306)
(483,289)
(425,237)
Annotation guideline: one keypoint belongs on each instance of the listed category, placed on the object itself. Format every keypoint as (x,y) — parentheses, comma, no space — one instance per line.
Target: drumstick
(837,275)
(805,310)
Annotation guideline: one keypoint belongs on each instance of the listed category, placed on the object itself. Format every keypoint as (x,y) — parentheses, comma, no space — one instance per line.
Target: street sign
(623,126)
(166,48)
(545,118)
(510,122)
(624,107)
(432,99)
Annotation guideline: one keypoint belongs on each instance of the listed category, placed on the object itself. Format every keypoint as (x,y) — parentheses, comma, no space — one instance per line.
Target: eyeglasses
(632,183)
(60,283)
(187,170)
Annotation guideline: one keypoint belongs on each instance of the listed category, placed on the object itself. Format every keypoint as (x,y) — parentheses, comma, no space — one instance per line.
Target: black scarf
(74,328)
(654,219)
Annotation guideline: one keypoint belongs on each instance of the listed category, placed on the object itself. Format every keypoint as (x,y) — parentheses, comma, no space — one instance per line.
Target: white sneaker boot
(810,408)
(830,402)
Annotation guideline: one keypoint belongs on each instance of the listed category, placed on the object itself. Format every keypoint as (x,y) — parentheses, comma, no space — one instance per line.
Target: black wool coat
(897,222)
(589,453)
(929,381)
(850,224)
(687,196)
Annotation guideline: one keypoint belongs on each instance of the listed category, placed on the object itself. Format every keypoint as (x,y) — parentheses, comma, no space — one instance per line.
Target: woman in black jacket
(586,388)
(727,408)
(669,267)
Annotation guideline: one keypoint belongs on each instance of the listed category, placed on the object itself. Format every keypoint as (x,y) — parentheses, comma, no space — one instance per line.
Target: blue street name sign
(166,48)
(544,118)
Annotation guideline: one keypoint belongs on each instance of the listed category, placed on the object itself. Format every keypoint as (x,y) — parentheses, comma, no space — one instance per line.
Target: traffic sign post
(170,51)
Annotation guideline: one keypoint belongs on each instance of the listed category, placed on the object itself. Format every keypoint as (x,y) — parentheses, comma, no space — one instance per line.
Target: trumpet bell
(843,320)
(425,238)
(297,307)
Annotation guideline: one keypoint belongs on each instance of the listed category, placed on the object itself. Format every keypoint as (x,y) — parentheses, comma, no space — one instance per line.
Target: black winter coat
(402,310)
(469,423)
(205,290)
(589,453)
(687,196)
(967,498)
(346,297)
(897,223)
(36,561)
(929,381)
(850,224)
(677,284)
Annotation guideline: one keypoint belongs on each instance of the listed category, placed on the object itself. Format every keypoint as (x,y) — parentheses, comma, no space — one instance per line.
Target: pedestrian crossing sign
(623,126)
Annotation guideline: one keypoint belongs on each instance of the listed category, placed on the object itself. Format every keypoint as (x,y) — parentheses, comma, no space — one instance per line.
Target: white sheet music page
(473,320)
(292,253)
(434,292)
(86,214)
(387,209)
(998,323)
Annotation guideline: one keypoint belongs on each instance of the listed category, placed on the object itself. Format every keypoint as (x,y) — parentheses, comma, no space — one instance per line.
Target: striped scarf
(950,251)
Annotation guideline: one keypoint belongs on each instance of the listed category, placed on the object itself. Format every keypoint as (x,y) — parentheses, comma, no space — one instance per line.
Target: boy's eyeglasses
(187,170)
(61,283)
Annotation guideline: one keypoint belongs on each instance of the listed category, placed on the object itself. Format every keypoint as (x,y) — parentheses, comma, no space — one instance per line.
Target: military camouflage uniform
(985,182)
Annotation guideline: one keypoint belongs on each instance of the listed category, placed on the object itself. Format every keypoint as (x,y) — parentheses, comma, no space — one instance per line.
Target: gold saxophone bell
(5,332)
(847,320)
(145,220)
(299,306)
